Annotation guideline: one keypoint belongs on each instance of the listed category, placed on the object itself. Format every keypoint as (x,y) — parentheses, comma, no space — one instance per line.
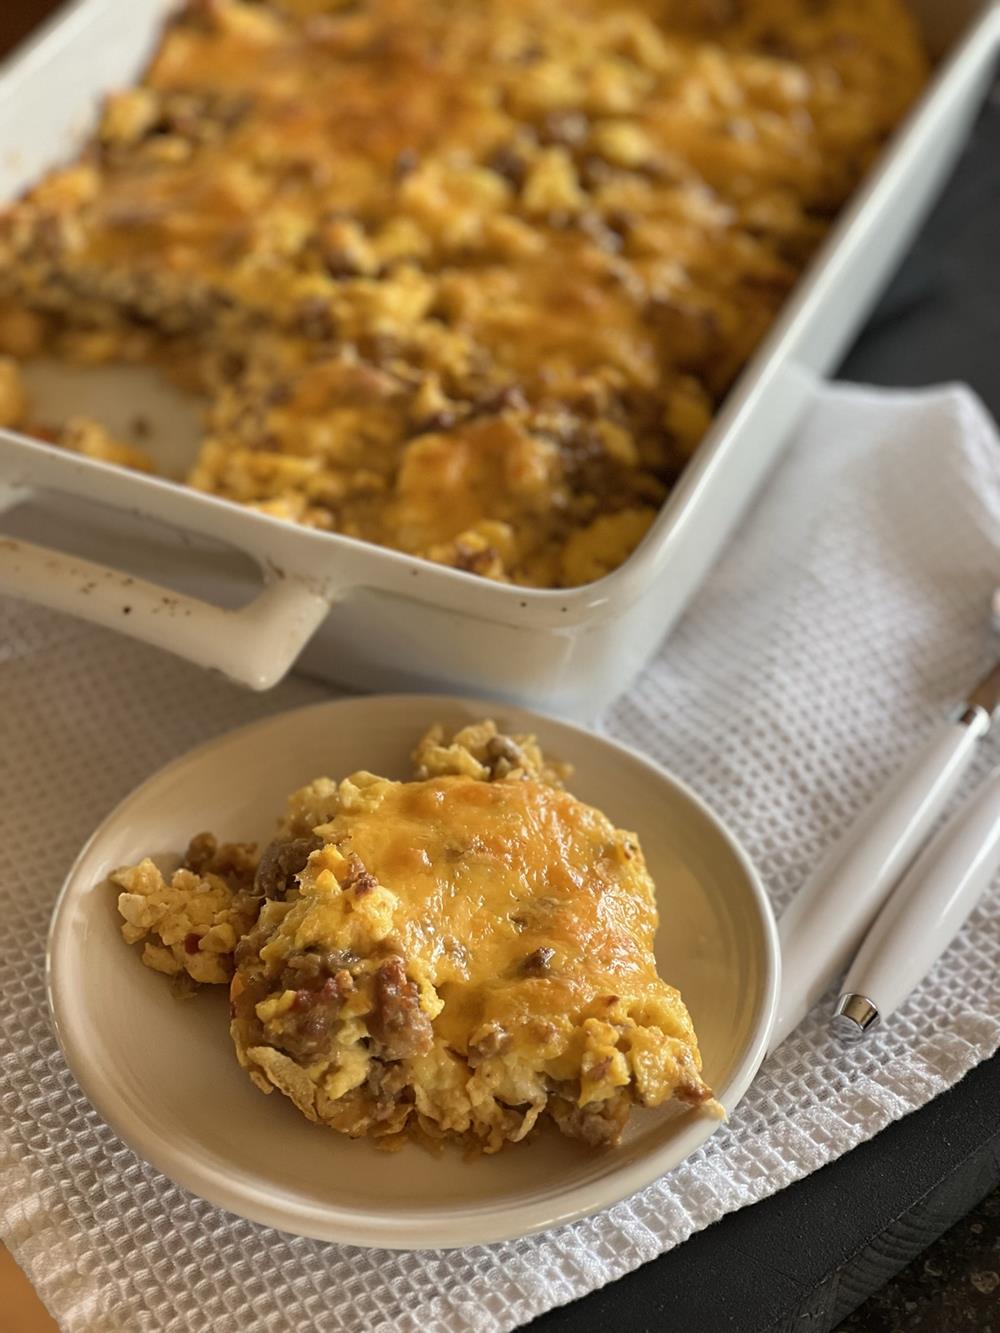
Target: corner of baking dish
(328,562)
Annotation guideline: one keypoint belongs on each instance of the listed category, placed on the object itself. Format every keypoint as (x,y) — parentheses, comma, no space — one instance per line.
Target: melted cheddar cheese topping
(491,949)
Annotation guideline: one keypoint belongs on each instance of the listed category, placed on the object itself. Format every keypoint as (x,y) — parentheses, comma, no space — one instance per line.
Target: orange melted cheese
(487,873)
(524,921)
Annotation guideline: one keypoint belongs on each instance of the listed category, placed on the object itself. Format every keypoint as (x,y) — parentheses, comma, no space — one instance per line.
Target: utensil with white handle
(827,920)
(924,913)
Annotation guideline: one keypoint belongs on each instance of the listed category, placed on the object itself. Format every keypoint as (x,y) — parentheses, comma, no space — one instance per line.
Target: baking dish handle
(254,645)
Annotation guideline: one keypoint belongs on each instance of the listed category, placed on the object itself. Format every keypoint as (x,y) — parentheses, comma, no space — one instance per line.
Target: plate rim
(473,1225)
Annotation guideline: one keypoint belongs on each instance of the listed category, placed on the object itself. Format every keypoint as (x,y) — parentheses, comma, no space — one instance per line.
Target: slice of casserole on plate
(458,956)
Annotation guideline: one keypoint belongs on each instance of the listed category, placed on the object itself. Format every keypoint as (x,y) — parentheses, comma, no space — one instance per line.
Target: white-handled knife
(827,919)
(924,913)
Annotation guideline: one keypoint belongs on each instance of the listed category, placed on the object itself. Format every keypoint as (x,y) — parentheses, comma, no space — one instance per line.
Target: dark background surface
(18,17)
(806,1257)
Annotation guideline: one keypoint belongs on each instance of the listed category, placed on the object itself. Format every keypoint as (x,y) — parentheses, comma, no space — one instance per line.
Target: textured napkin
(846,617)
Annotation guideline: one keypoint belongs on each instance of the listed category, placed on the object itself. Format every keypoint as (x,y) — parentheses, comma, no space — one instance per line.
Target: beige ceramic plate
(164,1074)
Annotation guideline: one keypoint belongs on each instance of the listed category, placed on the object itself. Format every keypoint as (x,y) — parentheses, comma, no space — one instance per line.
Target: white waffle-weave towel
(848,614)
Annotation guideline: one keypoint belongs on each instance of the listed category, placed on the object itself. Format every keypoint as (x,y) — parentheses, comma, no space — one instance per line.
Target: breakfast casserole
(465,280)
(453,957)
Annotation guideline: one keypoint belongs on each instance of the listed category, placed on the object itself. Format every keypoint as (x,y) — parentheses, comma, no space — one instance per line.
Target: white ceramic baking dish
(168,565)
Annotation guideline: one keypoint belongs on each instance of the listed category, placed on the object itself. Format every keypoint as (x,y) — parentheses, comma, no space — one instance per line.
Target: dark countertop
(952,1287)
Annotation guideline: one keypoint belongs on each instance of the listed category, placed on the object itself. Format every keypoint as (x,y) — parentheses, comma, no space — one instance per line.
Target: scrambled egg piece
(465,280)
(480,751)
(452,957)
(190,923)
